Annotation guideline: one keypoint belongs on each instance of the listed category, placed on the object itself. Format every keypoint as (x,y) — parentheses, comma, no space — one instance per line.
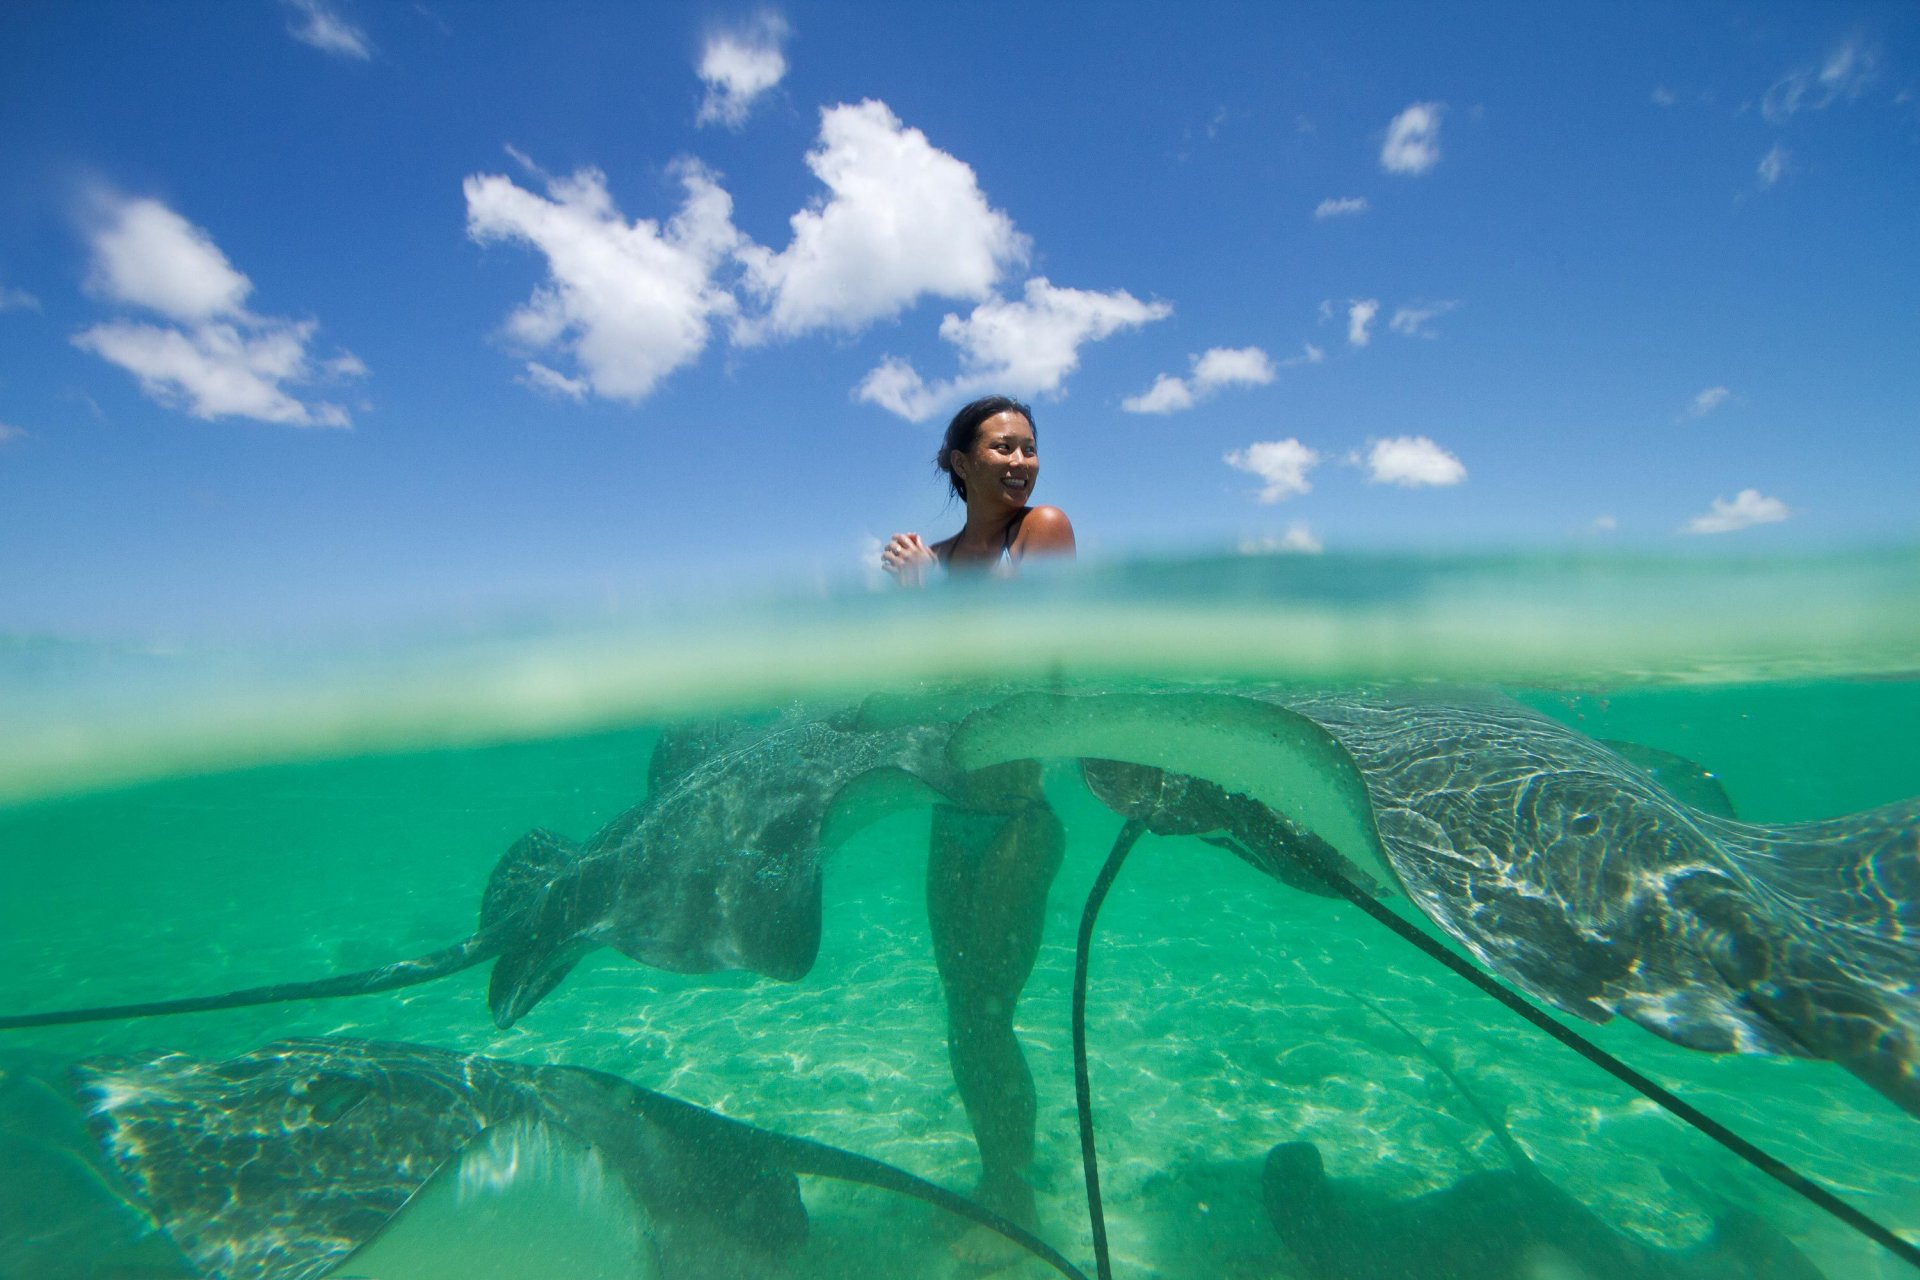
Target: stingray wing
(278,1164)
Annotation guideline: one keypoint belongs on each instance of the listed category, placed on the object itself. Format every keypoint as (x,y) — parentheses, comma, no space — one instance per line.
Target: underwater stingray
(717,869)
(1560,864)
(1556,862)
(294,1161)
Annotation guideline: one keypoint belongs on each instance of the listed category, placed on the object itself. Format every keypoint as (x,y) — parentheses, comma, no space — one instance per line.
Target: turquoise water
(190,822)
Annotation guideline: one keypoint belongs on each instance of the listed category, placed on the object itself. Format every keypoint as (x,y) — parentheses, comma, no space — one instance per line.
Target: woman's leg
(987,880)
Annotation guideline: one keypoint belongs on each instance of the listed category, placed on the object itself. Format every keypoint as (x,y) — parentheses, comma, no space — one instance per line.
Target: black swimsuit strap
(1013,530)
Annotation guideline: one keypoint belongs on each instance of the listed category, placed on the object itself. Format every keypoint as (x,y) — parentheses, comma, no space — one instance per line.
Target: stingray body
(1557,862)
(286,1163)
(720,868)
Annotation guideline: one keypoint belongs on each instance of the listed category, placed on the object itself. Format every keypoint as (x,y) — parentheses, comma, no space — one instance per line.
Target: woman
(992,462)
(994,851)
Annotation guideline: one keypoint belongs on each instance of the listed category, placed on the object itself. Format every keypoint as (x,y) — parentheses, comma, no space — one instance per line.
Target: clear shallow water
(306,812)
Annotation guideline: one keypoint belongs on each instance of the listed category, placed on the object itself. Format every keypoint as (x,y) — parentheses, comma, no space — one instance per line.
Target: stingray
(300,1159)
(1506,1224)
(717,869)
(1558,863)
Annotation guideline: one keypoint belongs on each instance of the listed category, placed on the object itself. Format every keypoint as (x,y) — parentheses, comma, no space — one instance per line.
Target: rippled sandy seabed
(179,822)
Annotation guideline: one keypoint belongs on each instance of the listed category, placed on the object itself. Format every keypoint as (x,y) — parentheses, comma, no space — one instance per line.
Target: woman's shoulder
(1043,530)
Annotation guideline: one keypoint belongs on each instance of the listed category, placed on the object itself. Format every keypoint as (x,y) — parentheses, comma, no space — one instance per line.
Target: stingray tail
(403,973)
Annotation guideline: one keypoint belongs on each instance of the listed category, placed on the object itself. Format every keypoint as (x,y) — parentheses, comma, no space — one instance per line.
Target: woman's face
(1004,462)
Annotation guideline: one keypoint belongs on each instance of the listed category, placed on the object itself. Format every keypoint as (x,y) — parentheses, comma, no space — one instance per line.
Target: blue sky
(329,313)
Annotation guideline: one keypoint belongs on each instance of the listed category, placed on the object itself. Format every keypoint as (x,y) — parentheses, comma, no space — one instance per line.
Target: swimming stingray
(295,1161)
(1560,864)
(717,869)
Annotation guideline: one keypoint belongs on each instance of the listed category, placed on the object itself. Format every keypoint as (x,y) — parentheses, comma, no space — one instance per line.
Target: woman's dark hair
(964,431)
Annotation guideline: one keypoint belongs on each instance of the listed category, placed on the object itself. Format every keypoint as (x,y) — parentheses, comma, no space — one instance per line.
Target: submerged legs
(987,879)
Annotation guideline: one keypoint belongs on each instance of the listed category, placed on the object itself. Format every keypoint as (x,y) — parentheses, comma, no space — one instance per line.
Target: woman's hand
(907,558)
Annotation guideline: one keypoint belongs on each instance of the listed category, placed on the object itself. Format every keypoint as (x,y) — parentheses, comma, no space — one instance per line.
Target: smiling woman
(992,460)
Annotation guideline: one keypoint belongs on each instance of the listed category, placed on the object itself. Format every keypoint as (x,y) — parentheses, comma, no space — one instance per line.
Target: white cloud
(1605,524)
(10,432)
(1232,367)
(1748,508)
(630,302)
(1412,320)
(1773,165)
(1309,354)
(1412,462)
(902,219)
(17,300)
(1283,464)
(146,255)
(1343,207)
(1360,314)
(327,31)
(1027,347)
(1846,73)
(1297,540)
(739,66)
(216,369)
(1213,369)
(217,359)
(1707,401)
(1663,96)
(1168,394)
(554,383)
(1413,140)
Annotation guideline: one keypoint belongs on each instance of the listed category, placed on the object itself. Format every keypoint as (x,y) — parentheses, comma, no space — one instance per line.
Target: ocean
(196,819)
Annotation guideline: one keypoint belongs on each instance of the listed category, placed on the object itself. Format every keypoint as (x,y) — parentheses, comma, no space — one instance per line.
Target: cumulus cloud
(1299,539)
(1027,347)
(216,358)
(1342,207)
(146,255)
(1415,319)
(320,26)
(1281,464)
(1168,394)
(902,220)
(1360,314)
(1773,165)
(1413,140)
(17,300)
(1748,508)
(1309,354)
(1213,369)
(739,66)
(1413,462)
(630,302)
(1845,74)
(216,369)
